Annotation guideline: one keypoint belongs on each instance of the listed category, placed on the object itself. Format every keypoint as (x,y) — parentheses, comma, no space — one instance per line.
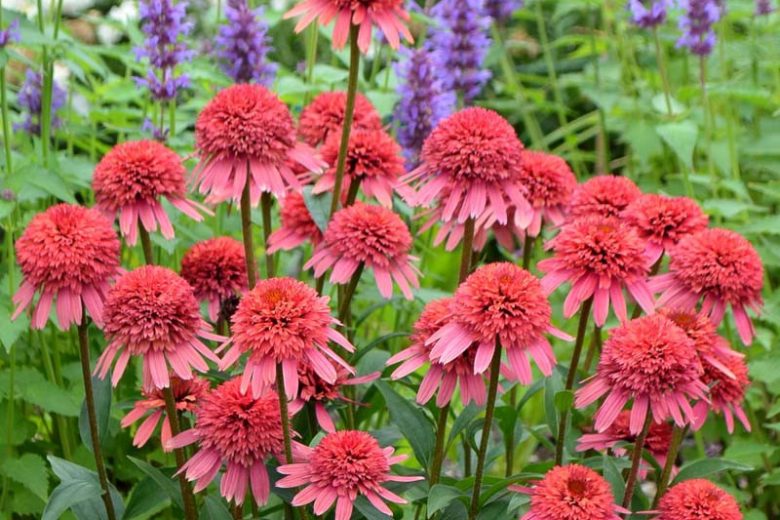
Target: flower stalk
(190,513)
(246,231)
(678,434)
(636,458)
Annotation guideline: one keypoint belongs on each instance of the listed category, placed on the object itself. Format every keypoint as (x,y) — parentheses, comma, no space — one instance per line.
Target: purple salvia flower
(10,34)
(648,14)
(697,25)
(243,44)
(764,7)
(423,100)
(460,37)
(501,10)
(30,100)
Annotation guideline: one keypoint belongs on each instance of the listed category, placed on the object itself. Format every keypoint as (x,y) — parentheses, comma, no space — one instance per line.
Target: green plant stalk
(9,449)
(572,374)
(45,117)
(671,456)
(636,458)
(190,512)
(146,244)
(6,125)
(708,122)
(246,231)
(661,59)
(284,417)
(266,201)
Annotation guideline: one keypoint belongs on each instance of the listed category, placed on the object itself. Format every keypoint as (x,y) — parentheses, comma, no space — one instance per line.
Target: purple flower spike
(30,99)
(501,10)
(10,34)
(243,45)
(697,25)
(649,14)
(764,7)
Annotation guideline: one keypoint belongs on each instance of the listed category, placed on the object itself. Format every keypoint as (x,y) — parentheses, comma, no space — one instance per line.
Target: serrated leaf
(417,429)
(102,391)
(33,388)
(706,467)
(30,471)
(440,496)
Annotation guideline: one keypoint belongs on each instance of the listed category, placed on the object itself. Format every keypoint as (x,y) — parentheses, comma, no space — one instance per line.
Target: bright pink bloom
(71,253)
(298,226)
(342,466)
(284,321)
(129,181)
(726,393)
(151,312)
(240,431)
(388,15)
(246,134)
(571,492)
(499,303)
(651,361)
(603,195)
(324,116)
(599,257)
(187,393)
(697,499)
(662,221)
(451,232)
(372,237)
(373,160)
(549,183)
(721,267)
(216,270)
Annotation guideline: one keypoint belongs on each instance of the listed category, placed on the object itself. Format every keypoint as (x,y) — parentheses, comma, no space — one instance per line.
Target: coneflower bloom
(571,492)
(68,253)
(663,221)
(444,377)
(187,393)
(239,431)
(697,499)
(245,134)
(151,312)
(499,303)
(216,270)
(373,160)
(549,183)
(284,321)
(649,361)
(727,392)
(324,116)
(599,256)
(722,268)
(298,226)
(341,467)
(604,195)
(370,236)
(130,180)
(471,163)
(388,15)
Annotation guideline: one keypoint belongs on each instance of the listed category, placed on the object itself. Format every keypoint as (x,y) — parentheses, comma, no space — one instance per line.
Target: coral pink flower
(324,116)
(373,160)
(151,312)
(471,163)
(651,361)
(571,492)
(367,236)
(599,256)
(726,393)
(298,226)
(238,430)
(603,195)
(451,232)
(131,178)
(388,15)
(721,267)
(216,270)
(245,134)
(70,253)
(663,221)
(549,183)
(697,499)
(342,466)
(499,303)
(187,393)
(444,377)
(284,321)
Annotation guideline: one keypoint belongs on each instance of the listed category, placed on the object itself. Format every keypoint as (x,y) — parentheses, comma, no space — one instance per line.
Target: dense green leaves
(417,429)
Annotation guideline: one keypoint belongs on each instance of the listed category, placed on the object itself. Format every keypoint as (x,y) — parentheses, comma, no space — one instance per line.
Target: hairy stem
(265,202)
(190,513)
(146,244)
(438,450)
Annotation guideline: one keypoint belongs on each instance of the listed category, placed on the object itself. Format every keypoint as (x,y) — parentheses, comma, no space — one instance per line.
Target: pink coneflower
(499,302)
(130,180)
(726,393)
(721,267)
(451,232)
(651,361)
(471,163)
(284,321)
(663,221)
(70,253)
(603,195)
(342,466)
(444,377)
(298,226)
(238,430)
(246,134)
(370,236)
(216,270)
(388,15)
(186,393)
(152,312)
(571,492)
(549,183)
(599,256)
(373,160)
(697,499)
(324,116)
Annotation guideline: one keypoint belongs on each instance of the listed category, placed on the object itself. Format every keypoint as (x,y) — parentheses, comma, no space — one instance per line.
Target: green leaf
(552,385)
(319,207)
(102,390)
(33,388)
(67,495)
(615,478)
(369,511)
(214,509)
(410,419)
(165,482)
(463,420)
(76,479)
(11,330)
(30,471)
(146,500)
(440,496)
(563,400)
(706,467)
(681,138)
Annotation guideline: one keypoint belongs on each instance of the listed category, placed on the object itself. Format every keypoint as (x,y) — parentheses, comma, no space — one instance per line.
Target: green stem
(465,255)
(285,420)
(265,203)
(190,513)
(349,292)
(636,458)
(659,52)
(671,456)
(6,124)
(595,346)
(146,243)
(528,249)
(438,450)
(246,231)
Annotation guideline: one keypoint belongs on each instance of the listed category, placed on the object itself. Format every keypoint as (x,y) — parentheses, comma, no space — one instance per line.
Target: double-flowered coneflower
(697,499)
(325,114)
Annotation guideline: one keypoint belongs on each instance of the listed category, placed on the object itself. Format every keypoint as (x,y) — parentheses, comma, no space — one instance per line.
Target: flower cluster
(243,44)
(10,34)
(30,99)
(649,16)
(696,24)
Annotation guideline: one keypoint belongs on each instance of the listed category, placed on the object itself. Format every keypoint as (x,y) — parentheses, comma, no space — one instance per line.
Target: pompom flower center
(349,461)
(572,493)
